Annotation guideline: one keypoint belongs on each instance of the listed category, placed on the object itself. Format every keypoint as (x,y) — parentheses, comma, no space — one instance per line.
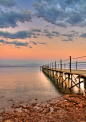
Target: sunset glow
(41,30)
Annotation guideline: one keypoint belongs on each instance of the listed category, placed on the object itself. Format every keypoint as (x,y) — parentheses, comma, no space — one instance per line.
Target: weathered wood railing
(66,79)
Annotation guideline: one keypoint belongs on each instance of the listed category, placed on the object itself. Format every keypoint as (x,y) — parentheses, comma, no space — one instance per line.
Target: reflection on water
(24,84)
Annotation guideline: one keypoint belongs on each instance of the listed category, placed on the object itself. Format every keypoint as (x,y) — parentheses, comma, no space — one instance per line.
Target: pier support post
(56,78)
(67,89)
(53,76)
(50,70)
(68,80)
(79,84)
(62,89)
(85,87)
(71,81)
(60,81)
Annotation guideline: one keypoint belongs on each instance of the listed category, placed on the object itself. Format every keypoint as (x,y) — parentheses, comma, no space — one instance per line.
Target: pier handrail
(67,64)
(57,70)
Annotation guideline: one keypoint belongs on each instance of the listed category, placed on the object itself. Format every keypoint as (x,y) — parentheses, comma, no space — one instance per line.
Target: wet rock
(33,104)
(15,110)
(52,104)
(62,110)
(80,105)
(8,121)
(25,107)
(47,110)
(65,100)
(55,109)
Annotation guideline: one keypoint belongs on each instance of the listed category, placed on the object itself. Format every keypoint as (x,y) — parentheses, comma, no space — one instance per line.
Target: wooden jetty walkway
(66,78)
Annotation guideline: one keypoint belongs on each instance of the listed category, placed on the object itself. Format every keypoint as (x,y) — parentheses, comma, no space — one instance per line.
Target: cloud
(75,19)
(73,31)
(83,35)
(71,34)
(30,47)
(68,35)
(70,39)
(17,47)
(11,18)
(34,43)
(42,43)
(36,30)
(34,36)
(50,34)
(49,13)
(17,35)
(46,31)
(55,32)
(65,40)
(7,3)
(38,34)
(17,44)
(71,1)
(61,24)
(50,37)
(1,40)
(62,13)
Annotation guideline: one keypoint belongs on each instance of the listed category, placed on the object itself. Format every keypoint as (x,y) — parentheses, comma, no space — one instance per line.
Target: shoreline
(71,108)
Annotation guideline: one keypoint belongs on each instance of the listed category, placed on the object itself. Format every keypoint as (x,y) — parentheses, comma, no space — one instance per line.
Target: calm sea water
(23,84)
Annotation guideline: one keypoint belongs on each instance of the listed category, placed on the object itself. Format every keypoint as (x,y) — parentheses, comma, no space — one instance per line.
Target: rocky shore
(72,108)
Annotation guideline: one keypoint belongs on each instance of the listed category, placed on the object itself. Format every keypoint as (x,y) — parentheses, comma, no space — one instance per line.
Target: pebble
(63,110)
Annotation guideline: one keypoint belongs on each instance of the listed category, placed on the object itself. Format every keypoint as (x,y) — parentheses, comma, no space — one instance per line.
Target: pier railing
(71,63)
(67,73)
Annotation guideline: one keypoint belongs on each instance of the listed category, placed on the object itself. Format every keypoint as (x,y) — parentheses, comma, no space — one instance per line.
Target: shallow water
(24,84)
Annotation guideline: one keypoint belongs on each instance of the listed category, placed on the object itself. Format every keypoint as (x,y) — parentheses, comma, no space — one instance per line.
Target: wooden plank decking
(76,72)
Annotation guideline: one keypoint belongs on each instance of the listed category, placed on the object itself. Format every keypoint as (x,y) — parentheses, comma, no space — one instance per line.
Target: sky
(41,31)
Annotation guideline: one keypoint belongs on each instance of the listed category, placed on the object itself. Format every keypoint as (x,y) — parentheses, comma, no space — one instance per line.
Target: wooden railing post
(70,63)
(52,65)
(48,65)
(55,65)
(76,65)
(64,65)
(58,66)
(61,64)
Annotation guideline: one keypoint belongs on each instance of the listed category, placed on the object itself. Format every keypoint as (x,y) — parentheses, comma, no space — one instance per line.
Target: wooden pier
(66,79)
